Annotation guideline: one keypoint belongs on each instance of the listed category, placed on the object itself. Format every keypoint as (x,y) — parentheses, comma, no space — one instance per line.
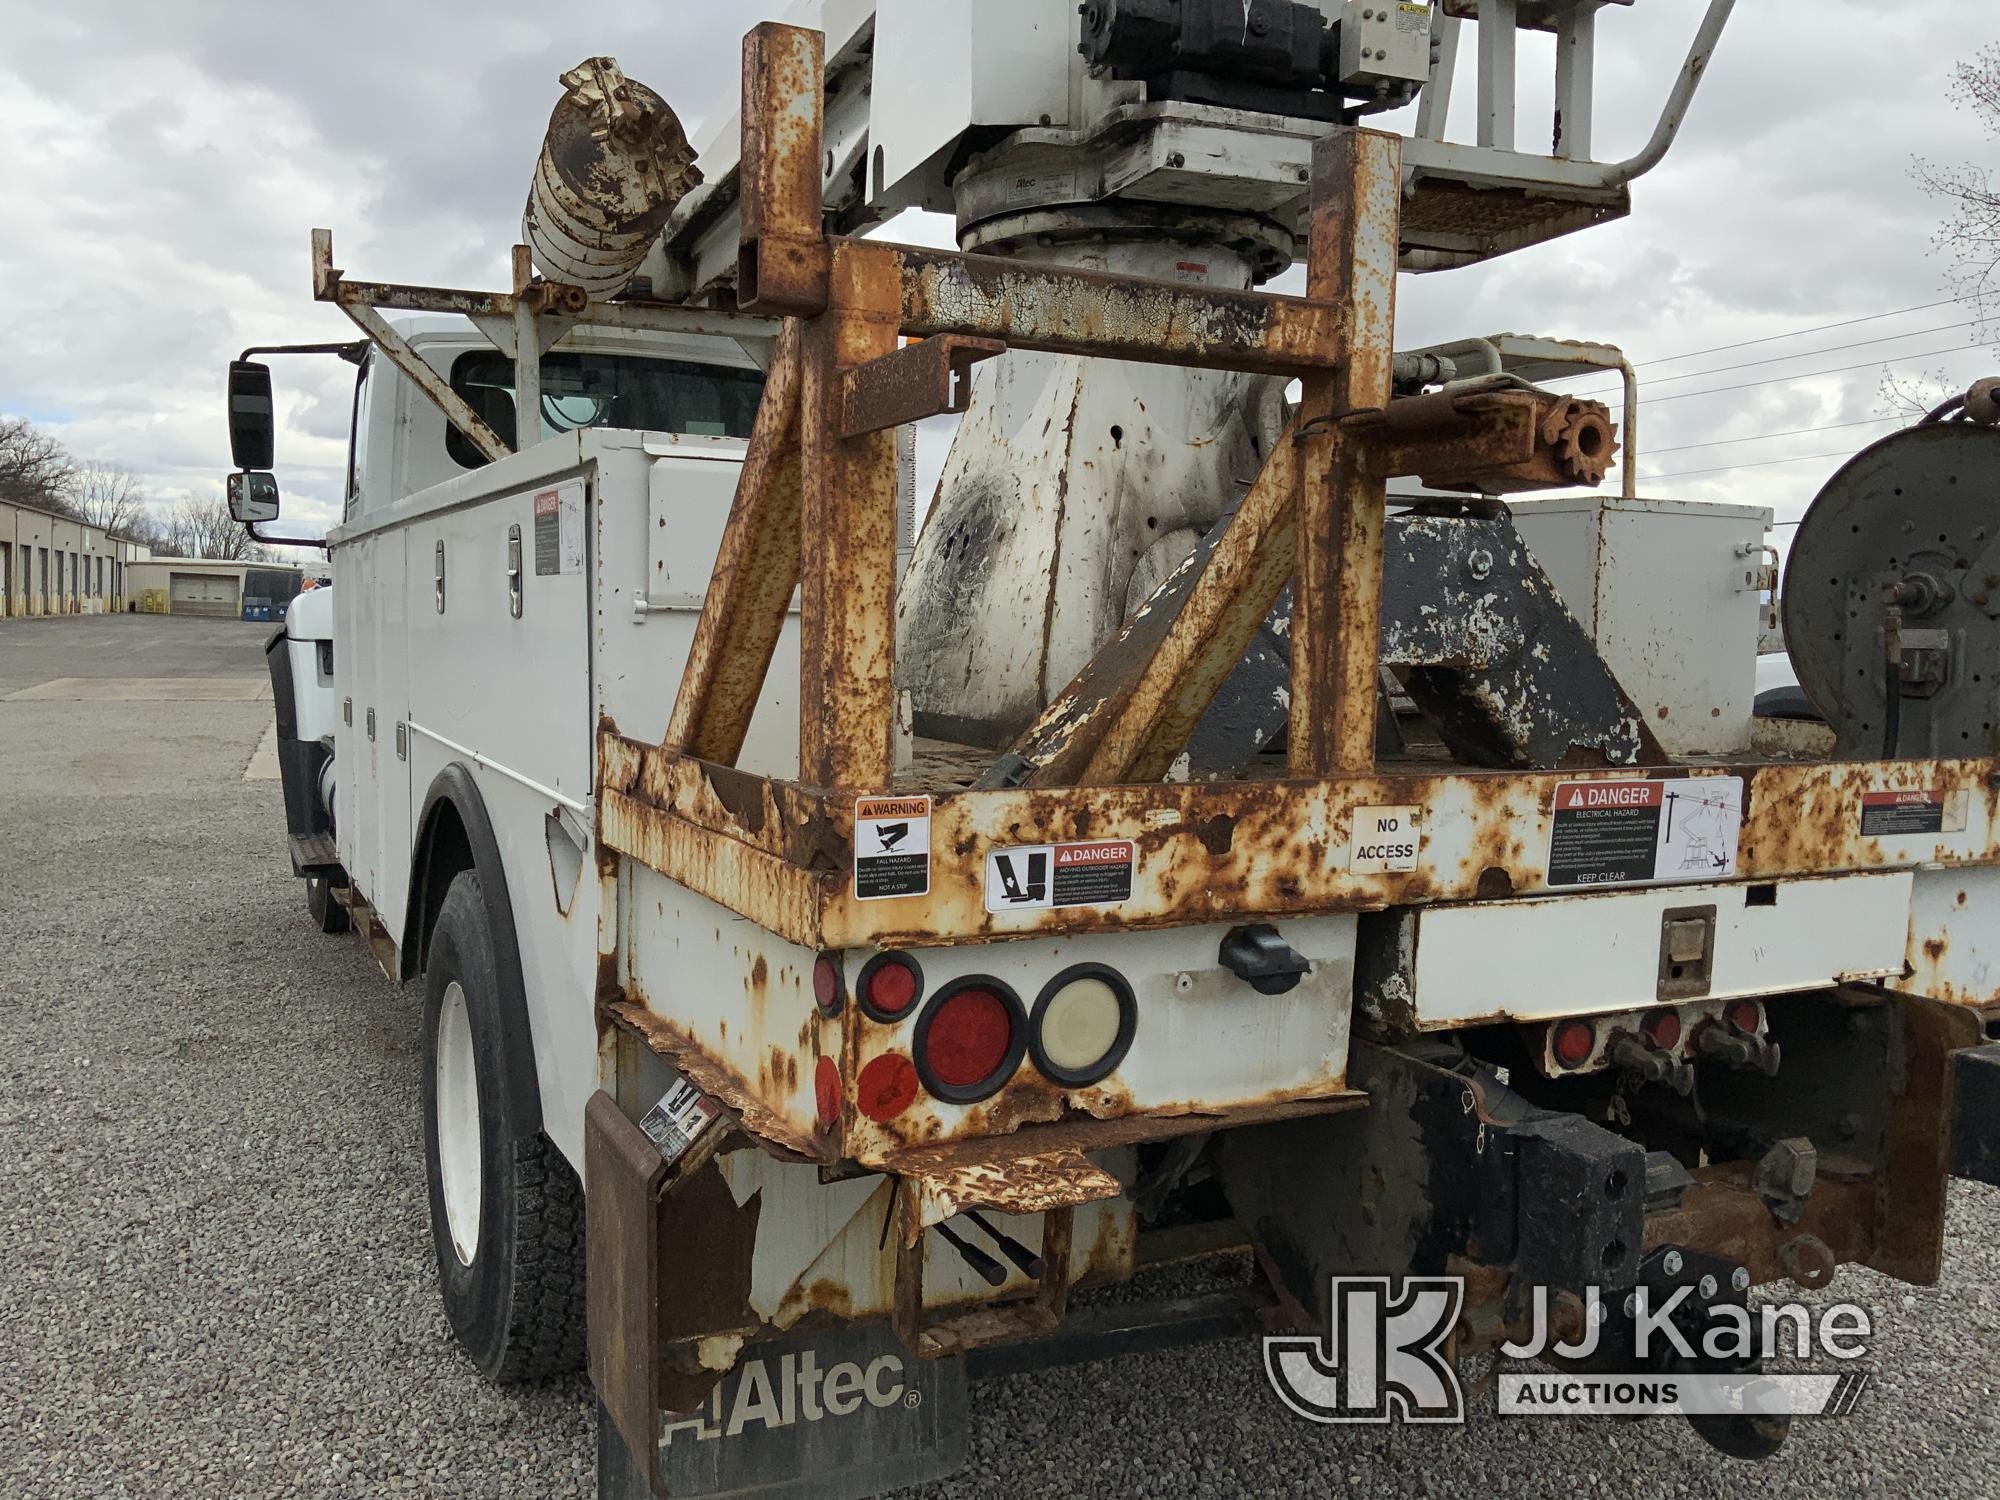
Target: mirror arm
(283,541)
(353,351)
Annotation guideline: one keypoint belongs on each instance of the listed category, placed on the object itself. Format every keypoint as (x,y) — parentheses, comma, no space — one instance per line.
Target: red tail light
(970,1040)
(890,985)
(887,1086)
(826,984)
(1573,1043)
(1745,1015)
(1663,1029)
(826,1091)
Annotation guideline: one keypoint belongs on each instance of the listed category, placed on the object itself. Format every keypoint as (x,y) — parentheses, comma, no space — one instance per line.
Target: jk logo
(1382,1358)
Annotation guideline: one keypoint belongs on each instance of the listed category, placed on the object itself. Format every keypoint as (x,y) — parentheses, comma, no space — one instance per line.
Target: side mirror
(253,498)
(253,423)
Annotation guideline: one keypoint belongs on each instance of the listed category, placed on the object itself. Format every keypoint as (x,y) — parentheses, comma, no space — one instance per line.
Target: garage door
(205,594)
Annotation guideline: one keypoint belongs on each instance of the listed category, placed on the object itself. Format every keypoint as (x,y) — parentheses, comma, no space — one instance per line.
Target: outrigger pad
(1494,657)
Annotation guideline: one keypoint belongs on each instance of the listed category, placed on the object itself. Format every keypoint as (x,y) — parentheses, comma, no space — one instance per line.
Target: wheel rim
(457,1112)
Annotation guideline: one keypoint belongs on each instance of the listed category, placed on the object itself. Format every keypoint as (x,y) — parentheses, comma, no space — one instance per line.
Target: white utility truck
(1184,845)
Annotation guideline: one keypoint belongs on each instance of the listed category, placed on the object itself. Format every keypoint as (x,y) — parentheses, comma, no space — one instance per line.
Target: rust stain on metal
(1063,311)
(777,895)
(1724,1215)
(1802,819)
(1090,1135)
(756,570)
(1022,1185)
(782,260)
(722,1083)
(928,379)
(1917,1169)
(1337,594)
(847,716)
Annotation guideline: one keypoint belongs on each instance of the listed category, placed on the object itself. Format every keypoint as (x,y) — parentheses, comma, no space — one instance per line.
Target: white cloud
(166,160)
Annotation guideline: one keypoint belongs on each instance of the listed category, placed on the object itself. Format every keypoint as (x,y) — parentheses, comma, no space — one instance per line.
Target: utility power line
(1797,333)
(1764,437)
(1815,374)
(1778,359)
(1769,463)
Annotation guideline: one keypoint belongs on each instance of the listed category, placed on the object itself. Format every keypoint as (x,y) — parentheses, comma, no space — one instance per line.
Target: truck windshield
(608,390)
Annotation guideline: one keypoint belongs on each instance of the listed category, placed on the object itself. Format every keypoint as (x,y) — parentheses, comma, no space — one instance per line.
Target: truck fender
(455,833)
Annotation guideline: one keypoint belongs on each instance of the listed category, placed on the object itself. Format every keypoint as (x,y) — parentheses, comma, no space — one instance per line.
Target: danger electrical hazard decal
(559,531)
(1038,877)
(1900,814)
(892,847)
(1645,832)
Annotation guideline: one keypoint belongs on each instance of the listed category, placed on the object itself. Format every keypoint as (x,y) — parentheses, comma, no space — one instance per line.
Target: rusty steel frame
(1337,608)
(816,506)
(781,854)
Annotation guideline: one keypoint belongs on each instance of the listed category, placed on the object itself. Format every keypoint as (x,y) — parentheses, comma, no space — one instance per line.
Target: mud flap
(833,1415)
(844,1412)
(1975,1138)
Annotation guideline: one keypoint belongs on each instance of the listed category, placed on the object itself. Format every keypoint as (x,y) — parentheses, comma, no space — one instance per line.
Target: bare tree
(105,494)
(1971,233)
(34,467)
(1969,236)
(204,528)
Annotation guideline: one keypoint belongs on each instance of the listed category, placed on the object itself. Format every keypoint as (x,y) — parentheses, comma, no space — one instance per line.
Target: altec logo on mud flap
(781,1392)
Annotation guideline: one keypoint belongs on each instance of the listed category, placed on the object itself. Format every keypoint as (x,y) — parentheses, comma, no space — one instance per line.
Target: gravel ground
(217,1276)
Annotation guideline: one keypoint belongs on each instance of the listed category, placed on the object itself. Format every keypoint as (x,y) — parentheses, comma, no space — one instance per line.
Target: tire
(506,1208)
(327,912)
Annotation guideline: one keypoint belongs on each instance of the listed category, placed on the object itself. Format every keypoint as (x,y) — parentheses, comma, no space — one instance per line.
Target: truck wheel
(506,1209)
(329,913)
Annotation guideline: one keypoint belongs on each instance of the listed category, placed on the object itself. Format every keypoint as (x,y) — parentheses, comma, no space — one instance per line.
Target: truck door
(372,801)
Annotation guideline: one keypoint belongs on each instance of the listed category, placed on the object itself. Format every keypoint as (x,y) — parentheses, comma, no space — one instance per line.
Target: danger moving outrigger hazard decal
(1645,832)
(1038,877)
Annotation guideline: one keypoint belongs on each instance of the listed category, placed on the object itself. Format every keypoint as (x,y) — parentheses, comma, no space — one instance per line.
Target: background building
(52,565)
(218,590)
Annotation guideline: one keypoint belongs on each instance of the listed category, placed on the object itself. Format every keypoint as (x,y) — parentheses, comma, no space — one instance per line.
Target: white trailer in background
(1173,849)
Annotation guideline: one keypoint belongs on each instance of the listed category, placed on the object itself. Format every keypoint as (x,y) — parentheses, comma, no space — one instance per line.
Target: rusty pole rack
(523,324)
(814,510)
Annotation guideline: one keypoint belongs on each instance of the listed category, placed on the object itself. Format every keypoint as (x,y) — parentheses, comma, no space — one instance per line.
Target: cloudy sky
(164,161)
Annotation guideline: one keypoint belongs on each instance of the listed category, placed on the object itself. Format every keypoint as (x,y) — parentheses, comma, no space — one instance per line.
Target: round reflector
(1663,1029)
(1082,1025)
(1746,1015)
(887,1086)
(826,984)
(1574,1042)
(969,1039)
(889,986)
(826,1091)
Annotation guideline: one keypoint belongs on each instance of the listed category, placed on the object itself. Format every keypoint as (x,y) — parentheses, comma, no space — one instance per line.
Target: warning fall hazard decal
(892,847)
(1038,877)
(1645,832)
